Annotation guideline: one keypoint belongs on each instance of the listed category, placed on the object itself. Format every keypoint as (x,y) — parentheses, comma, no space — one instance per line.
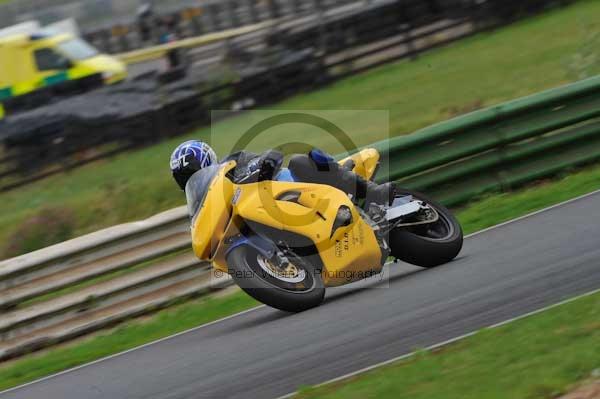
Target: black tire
(290,297)
(420,246)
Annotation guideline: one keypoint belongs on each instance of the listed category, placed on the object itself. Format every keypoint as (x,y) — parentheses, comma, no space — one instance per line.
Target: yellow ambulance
(29,62)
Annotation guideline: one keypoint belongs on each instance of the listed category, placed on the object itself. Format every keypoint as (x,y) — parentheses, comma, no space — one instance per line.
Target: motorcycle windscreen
(209,194)
(197,187)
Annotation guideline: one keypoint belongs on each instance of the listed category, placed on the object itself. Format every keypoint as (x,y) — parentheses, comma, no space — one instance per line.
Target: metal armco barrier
(95,281)
(501,147)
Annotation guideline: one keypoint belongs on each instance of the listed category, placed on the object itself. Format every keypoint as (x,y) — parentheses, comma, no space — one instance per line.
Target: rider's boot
(370,192)
(380,194)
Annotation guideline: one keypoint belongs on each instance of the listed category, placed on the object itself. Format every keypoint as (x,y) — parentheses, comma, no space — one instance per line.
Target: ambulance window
(77,49)
(49,60)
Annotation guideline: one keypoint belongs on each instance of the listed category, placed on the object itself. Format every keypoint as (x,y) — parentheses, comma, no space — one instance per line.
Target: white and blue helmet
(190,157)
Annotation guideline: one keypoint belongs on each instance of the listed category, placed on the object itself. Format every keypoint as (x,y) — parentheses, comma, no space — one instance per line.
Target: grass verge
(540,356)
(476,72)
(481,214)
(497,208)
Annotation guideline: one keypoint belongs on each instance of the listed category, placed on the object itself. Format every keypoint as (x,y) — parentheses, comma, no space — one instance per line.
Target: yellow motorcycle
(283,242)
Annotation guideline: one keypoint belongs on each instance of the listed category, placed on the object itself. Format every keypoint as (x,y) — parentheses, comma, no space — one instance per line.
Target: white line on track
(441,344)
(132,349)
(355,372)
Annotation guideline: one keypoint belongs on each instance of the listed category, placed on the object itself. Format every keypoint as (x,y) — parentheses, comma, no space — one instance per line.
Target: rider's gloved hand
(269,164)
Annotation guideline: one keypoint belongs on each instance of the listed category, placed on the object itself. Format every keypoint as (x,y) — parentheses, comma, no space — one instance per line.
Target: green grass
(524,58)
(498,208)
(541,356)
(481,214)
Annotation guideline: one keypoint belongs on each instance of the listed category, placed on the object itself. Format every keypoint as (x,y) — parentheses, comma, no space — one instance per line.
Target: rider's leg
(382,194)
(306,168)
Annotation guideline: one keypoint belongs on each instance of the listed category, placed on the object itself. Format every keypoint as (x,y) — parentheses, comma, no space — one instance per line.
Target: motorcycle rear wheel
(428,245)
(300,289)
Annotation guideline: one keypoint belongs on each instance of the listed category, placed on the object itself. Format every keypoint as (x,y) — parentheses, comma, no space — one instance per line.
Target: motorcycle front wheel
(427,245)
(296,288)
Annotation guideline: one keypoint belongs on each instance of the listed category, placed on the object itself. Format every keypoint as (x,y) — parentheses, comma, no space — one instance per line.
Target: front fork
(264,246)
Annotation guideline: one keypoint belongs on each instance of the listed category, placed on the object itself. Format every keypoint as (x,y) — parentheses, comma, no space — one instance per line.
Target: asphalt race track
(502,273)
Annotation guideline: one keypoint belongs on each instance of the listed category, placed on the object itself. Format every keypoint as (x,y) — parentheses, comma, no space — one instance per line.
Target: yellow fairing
(346,253)
(366,162)
(210,222)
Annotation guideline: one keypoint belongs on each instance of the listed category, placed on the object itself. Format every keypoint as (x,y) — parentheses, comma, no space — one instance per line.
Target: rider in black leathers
(314,167)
